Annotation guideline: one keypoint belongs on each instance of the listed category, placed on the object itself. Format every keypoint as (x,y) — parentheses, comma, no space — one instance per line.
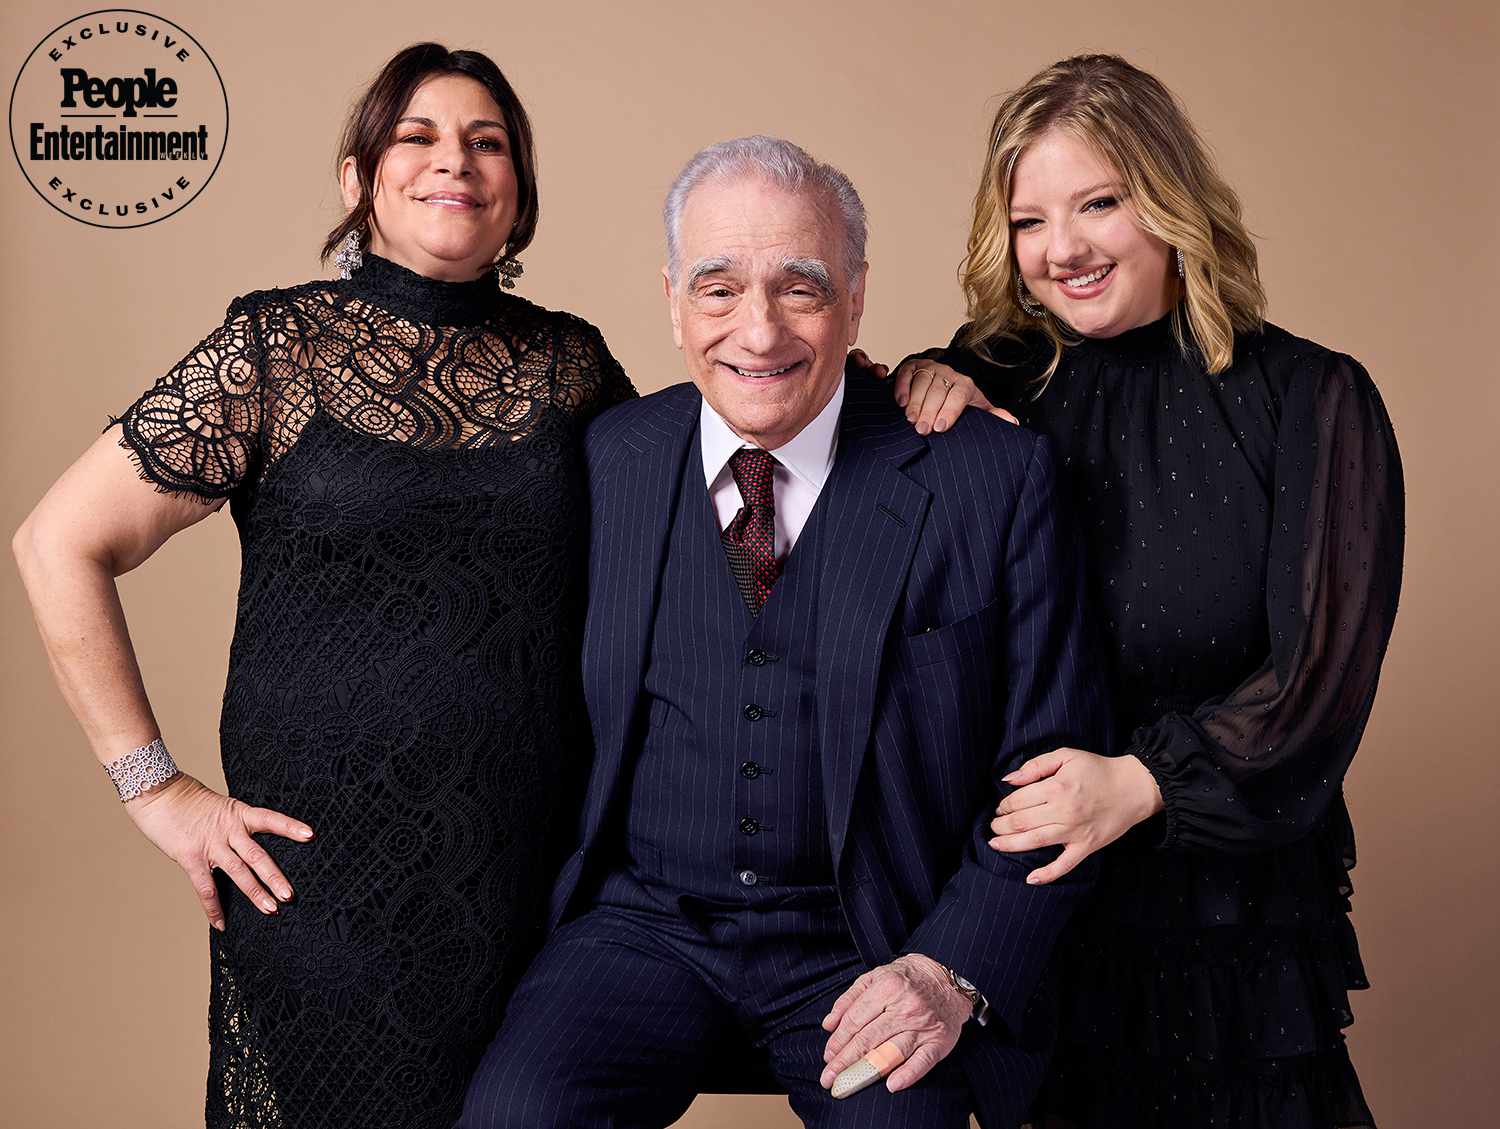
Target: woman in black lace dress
(1240,496)
(399,452)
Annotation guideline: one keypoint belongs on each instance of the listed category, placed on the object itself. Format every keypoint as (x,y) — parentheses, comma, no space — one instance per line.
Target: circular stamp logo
(118,118)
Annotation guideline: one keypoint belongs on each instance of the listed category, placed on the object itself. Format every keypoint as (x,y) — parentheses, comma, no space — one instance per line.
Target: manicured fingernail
(304,833)
(923,429)
(941,426)
(285,893)
(1032,879)
(219,925)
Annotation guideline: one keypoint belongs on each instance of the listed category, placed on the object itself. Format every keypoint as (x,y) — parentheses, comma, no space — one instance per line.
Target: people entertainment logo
(118,118)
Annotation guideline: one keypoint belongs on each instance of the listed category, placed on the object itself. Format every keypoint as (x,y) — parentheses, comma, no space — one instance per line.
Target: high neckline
(1151,339)
(432,300)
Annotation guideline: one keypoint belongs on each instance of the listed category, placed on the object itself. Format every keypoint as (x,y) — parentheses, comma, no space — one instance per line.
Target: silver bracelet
(140,769)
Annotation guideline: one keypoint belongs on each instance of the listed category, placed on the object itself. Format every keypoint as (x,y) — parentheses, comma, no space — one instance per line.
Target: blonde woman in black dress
(1240,496)
(399,450)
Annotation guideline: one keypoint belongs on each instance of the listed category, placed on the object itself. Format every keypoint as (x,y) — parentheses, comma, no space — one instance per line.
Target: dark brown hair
(372,121)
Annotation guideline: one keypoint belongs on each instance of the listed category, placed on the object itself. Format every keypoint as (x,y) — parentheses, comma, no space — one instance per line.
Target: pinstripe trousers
(628,1004)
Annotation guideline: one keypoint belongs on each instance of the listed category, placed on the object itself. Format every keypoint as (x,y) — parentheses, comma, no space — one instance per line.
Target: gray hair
(781,163)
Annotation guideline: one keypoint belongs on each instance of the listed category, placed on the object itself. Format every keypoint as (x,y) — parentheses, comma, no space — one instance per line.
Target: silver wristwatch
(981,1006)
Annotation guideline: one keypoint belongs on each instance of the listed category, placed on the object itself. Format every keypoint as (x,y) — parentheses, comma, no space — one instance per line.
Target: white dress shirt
(802,467)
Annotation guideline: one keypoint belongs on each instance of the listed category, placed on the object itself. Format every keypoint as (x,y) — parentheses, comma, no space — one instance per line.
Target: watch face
(980,1006)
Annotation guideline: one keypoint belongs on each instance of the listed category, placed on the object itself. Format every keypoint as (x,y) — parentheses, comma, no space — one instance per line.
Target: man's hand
(908,1002)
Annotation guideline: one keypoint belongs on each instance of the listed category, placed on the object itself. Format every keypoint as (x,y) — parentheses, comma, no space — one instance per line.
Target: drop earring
(1028,303)
(1181,264)
(507,270)
(349,257)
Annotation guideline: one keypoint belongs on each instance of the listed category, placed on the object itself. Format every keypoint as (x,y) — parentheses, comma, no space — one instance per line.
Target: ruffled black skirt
(1211,991)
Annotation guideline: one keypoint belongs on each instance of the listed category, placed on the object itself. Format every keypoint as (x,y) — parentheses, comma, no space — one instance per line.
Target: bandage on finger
(874,1066)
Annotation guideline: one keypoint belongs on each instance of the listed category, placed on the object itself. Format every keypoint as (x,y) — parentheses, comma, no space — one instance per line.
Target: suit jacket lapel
(874,518)
(631,516)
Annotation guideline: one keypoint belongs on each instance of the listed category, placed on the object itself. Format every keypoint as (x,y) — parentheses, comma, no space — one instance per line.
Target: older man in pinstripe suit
(816,641)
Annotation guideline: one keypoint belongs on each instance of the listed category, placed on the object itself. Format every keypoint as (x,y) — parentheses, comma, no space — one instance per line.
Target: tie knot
(752,469)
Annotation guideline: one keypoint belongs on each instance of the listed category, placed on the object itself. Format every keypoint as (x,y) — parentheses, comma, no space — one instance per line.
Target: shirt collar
(808,454)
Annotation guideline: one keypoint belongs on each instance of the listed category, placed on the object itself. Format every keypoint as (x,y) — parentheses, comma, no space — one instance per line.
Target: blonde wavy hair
(1132,121)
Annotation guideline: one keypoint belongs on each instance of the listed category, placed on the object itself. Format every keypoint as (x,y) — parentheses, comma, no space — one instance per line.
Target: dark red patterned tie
(750,539)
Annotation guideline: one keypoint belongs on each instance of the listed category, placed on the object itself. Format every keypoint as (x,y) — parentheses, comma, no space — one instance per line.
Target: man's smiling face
(763,309)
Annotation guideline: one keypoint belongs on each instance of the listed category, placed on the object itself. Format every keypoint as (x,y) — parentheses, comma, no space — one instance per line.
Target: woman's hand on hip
(933,394)
(200,829)
(1073,799)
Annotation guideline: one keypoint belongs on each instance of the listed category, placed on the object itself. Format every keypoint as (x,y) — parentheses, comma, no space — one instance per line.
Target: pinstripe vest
(727,797)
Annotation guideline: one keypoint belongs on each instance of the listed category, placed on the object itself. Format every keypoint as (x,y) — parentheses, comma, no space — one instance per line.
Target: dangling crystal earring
(507,270)
(1028,303)
(1181,264)
(349,258)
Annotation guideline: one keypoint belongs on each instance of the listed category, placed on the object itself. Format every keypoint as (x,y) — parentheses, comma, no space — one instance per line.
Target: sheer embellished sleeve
(1260,766)
(196,432)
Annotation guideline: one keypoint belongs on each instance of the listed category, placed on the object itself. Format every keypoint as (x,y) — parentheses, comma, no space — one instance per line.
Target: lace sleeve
(589,378)
(1259,767)
(614,386)
(196,432)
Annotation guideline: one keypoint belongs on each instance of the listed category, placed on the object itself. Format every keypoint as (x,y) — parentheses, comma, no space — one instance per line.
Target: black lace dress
(1244,538)
(401,457)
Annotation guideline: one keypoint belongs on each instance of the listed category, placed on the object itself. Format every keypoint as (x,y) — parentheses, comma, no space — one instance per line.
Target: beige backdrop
(1361,136)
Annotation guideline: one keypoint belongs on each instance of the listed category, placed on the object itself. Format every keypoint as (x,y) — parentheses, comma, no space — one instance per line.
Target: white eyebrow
(814,271)
(716,264)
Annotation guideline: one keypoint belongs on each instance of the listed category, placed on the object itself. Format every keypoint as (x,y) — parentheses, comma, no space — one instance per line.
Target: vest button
(756,657)
(749,770)
(748,878)
(749,825)
(754,712)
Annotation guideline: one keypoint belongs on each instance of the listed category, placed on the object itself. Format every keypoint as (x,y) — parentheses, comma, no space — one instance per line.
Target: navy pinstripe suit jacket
(951,649)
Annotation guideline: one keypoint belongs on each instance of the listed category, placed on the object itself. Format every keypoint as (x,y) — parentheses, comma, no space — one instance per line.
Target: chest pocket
(660,711)
(971,637)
